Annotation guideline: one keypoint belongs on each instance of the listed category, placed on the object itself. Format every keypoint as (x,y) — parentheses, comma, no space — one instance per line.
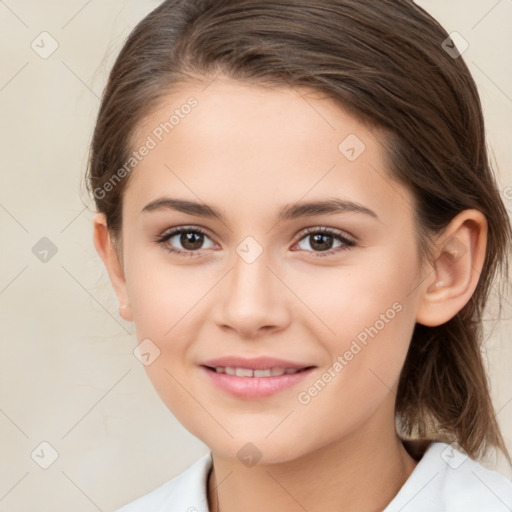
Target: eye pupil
(318,241)
(191,240)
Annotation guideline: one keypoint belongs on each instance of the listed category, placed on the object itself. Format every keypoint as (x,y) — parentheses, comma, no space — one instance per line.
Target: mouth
(255,383)
(252,372)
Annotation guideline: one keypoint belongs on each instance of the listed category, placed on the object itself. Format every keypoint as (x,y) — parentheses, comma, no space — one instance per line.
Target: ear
(456,270)
(107,251)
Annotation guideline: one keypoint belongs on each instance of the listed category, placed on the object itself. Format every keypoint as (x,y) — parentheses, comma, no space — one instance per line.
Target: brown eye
(322,240)
(184,240)
(191,240)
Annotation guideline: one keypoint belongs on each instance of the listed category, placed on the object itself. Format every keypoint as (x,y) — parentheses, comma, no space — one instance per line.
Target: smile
(253,384)
(248,372)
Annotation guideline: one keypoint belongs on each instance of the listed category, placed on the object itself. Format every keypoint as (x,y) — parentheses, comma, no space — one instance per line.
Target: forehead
(256,146)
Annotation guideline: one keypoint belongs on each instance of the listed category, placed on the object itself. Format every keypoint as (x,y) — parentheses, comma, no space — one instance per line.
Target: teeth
(243,372)
(247,372)
(262,373)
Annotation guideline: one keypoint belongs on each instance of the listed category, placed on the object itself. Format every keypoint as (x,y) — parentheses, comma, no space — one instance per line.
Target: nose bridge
(250,277)
(251,298)
(251,284)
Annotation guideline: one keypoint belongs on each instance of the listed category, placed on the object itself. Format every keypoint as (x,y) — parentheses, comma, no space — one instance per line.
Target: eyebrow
(288,212)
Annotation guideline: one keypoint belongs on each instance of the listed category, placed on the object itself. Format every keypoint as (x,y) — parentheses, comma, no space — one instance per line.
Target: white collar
(443,480)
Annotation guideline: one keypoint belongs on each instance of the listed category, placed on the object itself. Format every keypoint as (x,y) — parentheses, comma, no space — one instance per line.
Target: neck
(362,472)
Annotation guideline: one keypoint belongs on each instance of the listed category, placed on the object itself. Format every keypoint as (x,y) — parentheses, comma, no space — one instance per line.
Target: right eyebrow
(181,205)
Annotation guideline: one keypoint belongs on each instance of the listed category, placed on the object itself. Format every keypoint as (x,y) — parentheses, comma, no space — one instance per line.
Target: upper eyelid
(327,230)
(170,232)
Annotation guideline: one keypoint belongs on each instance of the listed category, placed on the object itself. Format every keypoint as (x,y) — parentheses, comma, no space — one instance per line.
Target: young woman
(296,210)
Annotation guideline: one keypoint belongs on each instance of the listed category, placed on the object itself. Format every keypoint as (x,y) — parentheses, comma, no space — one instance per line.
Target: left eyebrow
(307,209)
(288,212)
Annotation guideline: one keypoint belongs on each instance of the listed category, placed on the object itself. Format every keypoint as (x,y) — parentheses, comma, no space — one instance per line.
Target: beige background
(68,376)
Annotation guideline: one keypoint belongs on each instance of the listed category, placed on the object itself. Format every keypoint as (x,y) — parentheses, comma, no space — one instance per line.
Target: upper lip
(255,363)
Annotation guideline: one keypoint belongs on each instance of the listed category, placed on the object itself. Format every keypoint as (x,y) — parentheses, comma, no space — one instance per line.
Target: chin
(250,450)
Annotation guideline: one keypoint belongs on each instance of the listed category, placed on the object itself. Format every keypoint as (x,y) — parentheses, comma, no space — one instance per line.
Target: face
(328,289)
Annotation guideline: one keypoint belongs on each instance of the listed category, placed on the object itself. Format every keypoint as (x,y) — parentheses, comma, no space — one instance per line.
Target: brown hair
(386,63)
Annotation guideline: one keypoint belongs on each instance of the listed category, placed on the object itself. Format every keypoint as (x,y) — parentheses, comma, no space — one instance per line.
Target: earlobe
(110,257)
(456,270)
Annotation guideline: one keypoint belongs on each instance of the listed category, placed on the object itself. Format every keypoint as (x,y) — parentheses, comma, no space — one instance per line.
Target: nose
(252,300)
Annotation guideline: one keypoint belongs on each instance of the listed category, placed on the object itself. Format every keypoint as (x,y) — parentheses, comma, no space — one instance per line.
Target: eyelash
(348,242)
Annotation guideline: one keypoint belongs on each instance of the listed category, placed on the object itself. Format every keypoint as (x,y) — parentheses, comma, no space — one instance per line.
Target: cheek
(363,371)
(367,315)
(344,302)
(162,295)
(165,300)
(162,304)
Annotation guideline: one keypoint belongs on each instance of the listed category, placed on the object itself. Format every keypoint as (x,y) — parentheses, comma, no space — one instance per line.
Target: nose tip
(250,301)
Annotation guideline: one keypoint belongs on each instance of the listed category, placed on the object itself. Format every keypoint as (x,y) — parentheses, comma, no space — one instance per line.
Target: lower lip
(255,387)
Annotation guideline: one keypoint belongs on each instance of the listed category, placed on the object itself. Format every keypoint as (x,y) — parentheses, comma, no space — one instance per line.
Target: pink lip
(254,387)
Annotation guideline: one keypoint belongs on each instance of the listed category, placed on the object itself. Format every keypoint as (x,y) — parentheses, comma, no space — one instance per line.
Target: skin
(247,150)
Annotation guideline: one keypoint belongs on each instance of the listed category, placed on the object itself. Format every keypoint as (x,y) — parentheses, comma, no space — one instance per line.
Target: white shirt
(444,480)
